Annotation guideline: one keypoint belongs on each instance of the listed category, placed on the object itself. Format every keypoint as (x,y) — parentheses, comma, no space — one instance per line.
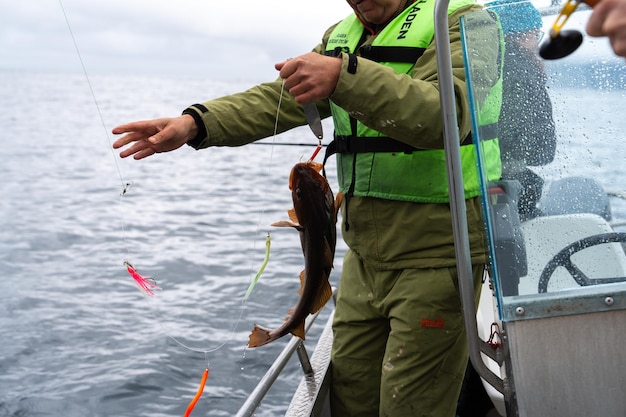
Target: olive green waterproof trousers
(400,348)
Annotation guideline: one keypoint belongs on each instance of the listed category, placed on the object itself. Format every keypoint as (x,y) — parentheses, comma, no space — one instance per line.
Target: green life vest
(372,165)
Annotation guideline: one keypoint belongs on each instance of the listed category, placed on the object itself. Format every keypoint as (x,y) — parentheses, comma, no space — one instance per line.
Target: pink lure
(146,285)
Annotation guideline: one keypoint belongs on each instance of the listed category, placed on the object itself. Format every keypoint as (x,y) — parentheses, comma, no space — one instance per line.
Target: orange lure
(193,402)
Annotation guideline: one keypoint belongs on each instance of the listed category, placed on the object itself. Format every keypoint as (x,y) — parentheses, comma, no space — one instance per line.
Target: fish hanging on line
(146,285)
(314,215)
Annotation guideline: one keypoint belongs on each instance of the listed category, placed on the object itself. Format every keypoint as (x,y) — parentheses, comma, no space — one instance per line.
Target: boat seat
(575,195)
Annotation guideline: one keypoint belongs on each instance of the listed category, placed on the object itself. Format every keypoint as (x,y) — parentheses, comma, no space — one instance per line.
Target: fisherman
(609,19)
(399,346)
(526,129)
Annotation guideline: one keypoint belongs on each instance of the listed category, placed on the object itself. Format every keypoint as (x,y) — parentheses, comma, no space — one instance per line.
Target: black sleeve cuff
(195,111)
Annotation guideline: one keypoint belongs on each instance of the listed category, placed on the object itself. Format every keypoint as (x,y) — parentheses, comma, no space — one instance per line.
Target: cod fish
(314,215)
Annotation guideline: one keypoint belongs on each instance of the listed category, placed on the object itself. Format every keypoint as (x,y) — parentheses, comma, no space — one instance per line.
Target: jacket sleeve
(245,117)
(403,107)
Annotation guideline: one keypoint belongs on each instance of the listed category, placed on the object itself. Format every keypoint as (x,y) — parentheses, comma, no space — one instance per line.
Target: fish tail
(260,336)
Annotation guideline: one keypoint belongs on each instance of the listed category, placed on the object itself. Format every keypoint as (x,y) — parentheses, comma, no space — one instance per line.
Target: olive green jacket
(387,234)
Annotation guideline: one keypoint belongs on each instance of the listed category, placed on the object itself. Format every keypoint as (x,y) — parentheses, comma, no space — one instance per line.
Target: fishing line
(269,171)
(286,144)
(148,286)
(125,185)
(261,269)
(273,143)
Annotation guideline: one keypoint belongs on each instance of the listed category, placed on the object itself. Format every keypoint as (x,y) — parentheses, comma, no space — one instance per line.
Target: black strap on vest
(352,144)
(364,144)
(360,144)
(405,54)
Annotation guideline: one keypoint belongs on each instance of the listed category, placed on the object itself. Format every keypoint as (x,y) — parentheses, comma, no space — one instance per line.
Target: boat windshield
(555,218)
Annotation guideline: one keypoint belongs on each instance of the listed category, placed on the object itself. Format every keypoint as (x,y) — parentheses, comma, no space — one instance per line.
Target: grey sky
(226,39)
(218,39)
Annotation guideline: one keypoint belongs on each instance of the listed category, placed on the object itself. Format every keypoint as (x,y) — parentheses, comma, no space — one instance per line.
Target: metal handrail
(457,193)
(295,344)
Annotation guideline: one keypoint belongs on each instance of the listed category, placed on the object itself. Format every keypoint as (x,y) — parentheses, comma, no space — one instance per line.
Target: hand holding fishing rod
(561,43)
(609,19)
(310,77)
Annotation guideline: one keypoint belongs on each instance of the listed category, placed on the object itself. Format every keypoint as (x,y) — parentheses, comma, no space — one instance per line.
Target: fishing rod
(287,144)
(561,43)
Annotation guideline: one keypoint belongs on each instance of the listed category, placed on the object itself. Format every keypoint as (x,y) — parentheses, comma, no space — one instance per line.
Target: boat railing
(295,345)
(457,195)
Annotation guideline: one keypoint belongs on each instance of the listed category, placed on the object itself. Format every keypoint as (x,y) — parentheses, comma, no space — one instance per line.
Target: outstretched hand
(154,136)
(311,76)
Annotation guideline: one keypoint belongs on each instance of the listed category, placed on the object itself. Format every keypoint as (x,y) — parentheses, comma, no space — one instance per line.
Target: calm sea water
(76,336)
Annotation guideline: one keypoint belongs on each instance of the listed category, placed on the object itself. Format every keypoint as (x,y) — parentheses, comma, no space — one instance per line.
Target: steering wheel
(564,259)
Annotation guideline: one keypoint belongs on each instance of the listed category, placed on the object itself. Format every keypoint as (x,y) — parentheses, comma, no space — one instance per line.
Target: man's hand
(311,76)
(155,136)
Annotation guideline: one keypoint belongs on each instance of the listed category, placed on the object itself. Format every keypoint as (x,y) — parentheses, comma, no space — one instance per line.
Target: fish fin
(323,295)
(292,222)
(285,223)
(302,280)
(298,331)
(316,166)
(338,201)
(292,215)
(260,336)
